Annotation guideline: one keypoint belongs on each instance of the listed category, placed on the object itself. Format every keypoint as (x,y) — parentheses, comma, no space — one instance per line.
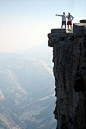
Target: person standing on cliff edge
(70,18)
(63,19)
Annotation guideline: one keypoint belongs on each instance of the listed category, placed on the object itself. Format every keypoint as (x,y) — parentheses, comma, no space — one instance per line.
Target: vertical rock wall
(69,57)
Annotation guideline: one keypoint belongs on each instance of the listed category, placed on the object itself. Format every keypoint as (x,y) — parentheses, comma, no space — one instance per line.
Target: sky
(25,23)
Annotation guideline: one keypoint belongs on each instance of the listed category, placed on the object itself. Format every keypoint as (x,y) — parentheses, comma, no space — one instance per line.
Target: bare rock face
(83,21)
(69,57)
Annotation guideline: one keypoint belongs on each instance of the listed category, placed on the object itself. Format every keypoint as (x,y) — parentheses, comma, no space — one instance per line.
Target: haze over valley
(27,90)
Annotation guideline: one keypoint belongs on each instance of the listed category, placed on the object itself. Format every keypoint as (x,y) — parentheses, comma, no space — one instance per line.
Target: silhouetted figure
(63,19)
(70,18)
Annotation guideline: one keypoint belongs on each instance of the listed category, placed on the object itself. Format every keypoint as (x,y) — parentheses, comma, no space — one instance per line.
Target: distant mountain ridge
(26,93)
(40,52)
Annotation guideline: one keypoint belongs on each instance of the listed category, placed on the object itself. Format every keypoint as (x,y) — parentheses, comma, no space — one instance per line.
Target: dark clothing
(63,22)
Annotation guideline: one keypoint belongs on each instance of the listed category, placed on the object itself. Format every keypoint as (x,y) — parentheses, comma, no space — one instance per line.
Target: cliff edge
(69,57)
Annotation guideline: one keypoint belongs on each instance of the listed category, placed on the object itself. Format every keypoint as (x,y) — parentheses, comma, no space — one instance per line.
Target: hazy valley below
(26,90)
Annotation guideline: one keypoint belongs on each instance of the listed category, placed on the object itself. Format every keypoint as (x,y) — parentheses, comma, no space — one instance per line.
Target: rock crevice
(69,58)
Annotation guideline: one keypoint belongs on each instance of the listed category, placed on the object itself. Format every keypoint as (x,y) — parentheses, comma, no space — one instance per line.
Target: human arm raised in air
(58,15)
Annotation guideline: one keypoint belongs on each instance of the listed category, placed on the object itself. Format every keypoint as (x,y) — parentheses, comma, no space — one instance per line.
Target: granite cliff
(69,57)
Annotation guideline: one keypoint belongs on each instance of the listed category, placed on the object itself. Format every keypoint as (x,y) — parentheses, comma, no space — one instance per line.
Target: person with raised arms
(63,19)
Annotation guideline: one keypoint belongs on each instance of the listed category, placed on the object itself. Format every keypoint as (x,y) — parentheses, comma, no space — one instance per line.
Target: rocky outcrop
(69,57)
